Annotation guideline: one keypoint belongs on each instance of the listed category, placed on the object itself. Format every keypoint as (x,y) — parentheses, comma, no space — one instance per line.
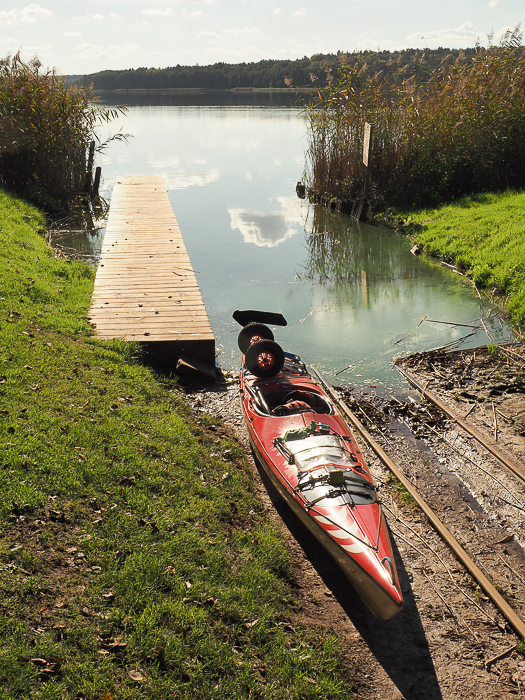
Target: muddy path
(450,641)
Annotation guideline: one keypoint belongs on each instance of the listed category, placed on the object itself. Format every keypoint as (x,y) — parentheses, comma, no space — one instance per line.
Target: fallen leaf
(38,662)
(507,538)
(136,676)
(210,601)
(117,644)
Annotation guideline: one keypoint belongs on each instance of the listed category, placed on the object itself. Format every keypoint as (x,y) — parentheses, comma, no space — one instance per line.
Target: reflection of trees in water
(342,252)
(335,248)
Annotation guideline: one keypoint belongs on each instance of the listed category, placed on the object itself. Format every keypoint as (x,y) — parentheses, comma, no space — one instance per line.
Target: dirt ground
(450,641)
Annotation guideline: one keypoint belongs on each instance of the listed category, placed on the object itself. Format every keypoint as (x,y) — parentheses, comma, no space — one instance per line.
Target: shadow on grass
(400,644)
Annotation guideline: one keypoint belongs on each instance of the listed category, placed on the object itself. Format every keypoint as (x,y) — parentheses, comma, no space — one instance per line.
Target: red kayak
(312,458)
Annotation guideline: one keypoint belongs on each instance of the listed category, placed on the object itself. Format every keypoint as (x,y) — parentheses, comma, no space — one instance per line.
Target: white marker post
(366,153)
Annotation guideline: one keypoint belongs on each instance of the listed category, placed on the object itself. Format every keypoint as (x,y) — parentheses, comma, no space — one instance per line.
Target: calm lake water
(348,290)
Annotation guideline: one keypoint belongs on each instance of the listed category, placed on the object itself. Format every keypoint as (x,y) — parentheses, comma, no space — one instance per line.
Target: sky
(81,38)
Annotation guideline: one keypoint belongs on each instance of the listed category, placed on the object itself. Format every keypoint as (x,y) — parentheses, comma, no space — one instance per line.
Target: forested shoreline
(314,71)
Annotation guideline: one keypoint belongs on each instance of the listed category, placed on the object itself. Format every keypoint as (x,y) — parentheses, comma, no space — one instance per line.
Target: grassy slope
(135,558)
(484,236)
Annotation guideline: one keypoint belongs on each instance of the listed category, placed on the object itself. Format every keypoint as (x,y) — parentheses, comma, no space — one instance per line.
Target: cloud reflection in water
(267,229)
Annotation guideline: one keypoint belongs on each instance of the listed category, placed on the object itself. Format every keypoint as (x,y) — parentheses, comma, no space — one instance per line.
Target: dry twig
(410,332)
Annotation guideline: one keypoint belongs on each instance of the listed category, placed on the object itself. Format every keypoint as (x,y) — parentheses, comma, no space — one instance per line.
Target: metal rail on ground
(425,393)
(510,615)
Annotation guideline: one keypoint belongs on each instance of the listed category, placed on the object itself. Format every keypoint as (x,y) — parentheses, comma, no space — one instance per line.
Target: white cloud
(181,181)
(73,34)
(36,50)
(244,30)
(168,12)
(180,2)
(300,12)
(382,45)
(165,55)
(29,15)
(44,52)
(207,35)
(92,52)
(90,18)
(493,3)
(500,33)
(193,13)
(452,36)
(228,55)
(277,11)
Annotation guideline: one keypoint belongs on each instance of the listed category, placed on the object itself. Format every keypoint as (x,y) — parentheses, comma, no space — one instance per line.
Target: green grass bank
(484,237)
(136,559)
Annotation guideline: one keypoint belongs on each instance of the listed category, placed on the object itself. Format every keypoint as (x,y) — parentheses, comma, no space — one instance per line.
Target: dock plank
(145,286)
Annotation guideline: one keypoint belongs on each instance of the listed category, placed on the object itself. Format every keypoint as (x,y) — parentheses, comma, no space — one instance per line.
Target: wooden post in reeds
(366,157)
(89,170)
(361,204)
(96,183)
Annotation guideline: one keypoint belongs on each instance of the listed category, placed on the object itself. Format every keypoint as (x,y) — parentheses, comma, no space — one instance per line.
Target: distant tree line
(316,71)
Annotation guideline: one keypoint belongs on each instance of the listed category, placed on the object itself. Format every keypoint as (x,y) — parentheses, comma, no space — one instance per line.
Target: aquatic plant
(47,129)
(437,135)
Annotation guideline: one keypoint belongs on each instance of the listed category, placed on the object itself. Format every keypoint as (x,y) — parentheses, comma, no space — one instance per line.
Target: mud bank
(449,642)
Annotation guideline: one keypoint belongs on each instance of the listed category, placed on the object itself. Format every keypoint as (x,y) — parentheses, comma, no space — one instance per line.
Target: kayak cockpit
(288,403)
(285,399)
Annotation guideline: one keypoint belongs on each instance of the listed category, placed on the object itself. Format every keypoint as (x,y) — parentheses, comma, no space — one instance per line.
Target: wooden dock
(145,287)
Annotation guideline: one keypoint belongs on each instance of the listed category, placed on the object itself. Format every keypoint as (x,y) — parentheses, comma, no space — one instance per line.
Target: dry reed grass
(460,131)
(46,129)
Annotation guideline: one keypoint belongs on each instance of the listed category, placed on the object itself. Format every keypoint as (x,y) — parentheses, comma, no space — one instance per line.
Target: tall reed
(46,128)
(459,131)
